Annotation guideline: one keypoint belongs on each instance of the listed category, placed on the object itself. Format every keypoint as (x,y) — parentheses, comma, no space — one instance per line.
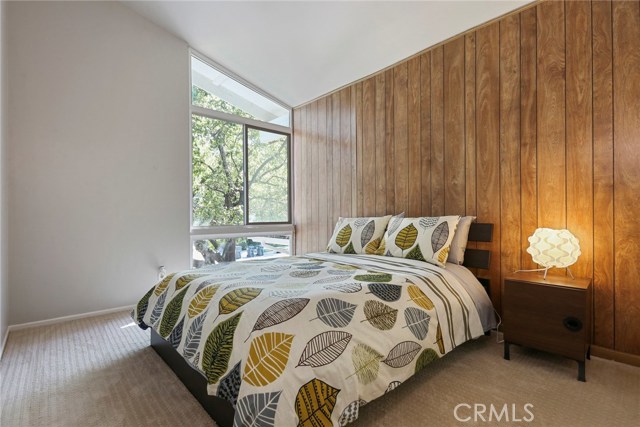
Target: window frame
(231,117)
(262,229)
(246,176)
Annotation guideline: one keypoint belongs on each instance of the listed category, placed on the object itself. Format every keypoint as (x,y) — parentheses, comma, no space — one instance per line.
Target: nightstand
(552,314)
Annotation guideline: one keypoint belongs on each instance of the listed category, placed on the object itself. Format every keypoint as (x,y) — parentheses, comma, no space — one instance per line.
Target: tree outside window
(231,157)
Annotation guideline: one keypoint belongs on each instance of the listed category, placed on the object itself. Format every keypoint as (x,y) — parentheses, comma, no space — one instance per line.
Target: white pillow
(424,238)
(357,235)
(460,238)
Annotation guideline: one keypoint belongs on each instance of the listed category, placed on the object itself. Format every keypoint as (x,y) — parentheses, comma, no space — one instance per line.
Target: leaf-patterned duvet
(309,340)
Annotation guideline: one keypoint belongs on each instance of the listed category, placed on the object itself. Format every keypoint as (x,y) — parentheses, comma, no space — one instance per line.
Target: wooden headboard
(478,258)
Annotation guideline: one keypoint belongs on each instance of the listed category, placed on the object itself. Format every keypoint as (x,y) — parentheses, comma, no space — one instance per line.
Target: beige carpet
(64,375)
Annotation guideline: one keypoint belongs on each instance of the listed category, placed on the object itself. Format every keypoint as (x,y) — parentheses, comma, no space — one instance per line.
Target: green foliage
(268,177)
(217,155)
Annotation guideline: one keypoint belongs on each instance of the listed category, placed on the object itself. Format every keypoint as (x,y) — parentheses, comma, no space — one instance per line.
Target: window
(217,177)
(267,176)
(241,149)
(207,251)
(217,91)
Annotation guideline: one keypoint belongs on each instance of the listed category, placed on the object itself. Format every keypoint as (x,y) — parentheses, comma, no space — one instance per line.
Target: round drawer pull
(572,323)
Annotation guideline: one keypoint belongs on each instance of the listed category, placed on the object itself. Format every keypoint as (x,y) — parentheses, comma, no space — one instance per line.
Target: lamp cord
(498,340)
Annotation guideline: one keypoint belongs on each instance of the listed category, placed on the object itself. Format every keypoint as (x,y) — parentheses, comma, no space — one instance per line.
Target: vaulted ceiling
(298,50)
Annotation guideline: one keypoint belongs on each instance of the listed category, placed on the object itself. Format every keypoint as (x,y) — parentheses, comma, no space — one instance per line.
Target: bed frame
(220,409)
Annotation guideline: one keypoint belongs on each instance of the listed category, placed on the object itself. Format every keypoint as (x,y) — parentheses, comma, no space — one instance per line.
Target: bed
(309,340)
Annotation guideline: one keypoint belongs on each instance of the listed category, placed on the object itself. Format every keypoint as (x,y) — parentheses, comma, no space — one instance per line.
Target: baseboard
(618,356)
(53,321)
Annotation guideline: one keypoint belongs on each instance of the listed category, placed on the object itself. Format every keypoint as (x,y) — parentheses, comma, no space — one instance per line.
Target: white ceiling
(299,50)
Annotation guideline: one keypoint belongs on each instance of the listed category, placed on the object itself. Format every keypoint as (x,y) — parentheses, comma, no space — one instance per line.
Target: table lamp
(553,248)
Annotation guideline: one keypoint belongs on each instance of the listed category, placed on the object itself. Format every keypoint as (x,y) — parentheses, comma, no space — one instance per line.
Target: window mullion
(221,115)
(245,172)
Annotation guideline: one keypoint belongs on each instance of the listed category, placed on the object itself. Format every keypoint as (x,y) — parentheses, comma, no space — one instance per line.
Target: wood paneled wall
(530,121)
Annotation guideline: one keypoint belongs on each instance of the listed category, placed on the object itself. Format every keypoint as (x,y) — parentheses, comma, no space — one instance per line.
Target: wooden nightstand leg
(581,375)
(589,353)
(506,351)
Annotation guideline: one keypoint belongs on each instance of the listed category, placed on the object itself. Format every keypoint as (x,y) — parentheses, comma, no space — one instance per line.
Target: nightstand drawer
(550,318)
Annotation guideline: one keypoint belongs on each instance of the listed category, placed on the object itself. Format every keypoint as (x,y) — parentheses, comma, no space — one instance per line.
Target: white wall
(4,284)
(98,150)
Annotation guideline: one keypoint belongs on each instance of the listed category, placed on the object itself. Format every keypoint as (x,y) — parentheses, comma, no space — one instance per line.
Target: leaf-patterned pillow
(358,235)
(393,225)
(425,239)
